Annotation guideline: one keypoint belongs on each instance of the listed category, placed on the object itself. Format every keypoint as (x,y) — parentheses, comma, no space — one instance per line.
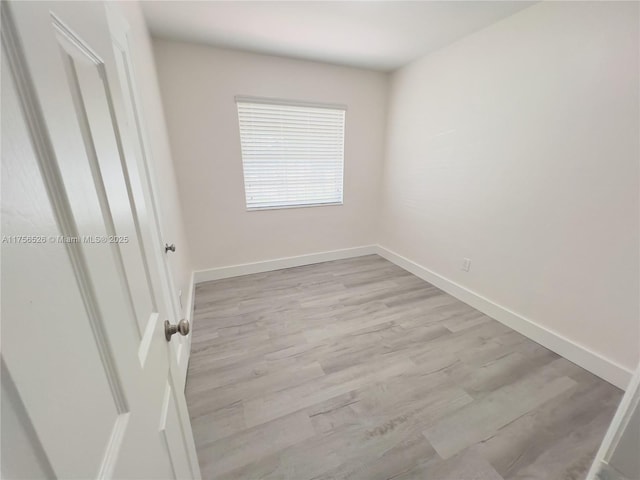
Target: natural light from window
(292,153)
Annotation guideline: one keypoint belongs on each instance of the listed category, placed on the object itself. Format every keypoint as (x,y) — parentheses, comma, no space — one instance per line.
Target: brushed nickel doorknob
(169,248)
(182,327)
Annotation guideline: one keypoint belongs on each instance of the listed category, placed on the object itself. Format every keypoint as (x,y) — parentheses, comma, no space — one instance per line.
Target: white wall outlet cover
(466,264)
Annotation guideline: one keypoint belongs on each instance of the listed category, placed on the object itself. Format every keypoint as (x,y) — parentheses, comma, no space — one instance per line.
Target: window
(292,153)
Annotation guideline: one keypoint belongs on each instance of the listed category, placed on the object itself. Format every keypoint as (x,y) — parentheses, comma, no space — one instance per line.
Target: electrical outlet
(180,297)
(466,264)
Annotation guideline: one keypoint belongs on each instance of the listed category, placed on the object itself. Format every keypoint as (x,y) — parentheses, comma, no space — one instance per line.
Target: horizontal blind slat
(291,155)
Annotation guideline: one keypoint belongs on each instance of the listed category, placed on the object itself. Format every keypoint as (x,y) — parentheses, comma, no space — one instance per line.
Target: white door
(87,383)
(119,29)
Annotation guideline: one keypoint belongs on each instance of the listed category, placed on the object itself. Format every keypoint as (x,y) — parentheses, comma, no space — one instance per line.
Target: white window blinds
(292,154)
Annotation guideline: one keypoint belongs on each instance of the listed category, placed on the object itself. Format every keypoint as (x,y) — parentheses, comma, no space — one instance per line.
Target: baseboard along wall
(603,367)
(280,263)
(595,363)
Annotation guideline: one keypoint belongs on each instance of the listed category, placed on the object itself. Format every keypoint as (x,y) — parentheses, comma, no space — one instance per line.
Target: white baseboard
(603,367)
(280,263)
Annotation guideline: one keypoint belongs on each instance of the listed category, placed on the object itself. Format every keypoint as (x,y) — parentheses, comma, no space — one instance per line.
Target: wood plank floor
(356,369)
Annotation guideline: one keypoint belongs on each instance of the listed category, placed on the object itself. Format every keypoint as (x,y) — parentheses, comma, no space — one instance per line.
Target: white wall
(160,159)
(198,85)
(518,148)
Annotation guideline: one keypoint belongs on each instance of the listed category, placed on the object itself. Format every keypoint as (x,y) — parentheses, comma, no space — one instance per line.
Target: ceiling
(380,35)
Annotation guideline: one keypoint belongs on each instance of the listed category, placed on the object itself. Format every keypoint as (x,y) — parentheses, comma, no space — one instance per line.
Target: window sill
(258,209)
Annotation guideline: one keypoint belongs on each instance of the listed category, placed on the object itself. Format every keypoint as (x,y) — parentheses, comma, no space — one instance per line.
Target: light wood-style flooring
(356,369)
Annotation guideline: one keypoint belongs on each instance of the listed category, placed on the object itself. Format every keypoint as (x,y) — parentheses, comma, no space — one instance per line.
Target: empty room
(320,240)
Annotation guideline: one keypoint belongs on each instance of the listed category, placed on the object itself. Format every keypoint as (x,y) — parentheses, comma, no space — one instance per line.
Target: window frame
(293,103)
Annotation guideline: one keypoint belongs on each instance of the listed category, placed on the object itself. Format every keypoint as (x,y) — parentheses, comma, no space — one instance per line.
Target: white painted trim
(292,103)
(618,425)
(191,294)
(189,317)
(597,364)
(280,263)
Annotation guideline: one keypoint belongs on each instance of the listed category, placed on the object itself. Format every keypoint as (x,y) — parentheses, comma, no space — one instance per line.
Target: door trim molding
(189,308)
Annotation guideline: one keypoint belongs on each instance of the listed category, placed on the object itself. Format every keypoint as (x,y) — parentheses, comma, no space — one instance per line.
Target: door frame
(629,403)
